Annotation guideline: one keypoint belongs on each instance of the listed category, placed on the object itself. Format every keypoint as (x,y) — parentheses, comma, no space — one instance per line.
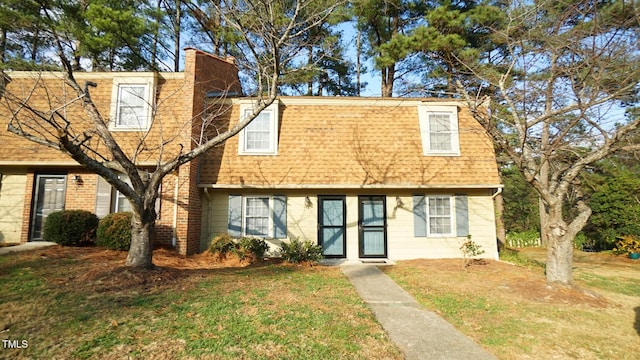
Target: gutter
(353,186)
(498,192)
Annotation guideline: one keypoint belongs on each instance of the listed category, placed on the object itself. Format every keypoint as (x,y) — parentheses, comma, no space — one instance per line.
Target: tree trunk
(142,236)
(388,73)
(559,247)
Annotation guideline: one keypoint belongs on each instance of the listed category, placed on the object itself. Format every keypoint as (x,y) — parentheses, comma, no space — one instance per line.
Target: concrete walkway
(419,333)
(26,246)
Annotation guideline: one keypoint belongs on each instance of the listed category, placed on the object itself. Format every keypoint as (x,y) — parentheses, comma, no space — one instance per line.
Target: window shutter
(462,215)
(103,197)
(419,216)
(235,216)
(279,216)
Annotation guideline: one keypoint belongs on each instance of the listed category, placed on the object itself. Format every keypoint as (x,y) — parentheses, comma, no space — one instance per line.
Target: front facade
(364,178)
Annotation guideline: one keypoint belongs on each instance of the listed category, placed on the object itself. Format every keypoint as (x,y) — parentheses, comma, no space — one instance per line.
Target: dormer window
(132,102)
(260,137)
(439,130)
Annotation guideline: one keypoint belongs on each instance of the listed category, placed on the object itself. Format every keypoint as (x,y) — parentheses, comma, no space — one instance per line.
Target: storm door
(49,197)
(332,226)
(372,226)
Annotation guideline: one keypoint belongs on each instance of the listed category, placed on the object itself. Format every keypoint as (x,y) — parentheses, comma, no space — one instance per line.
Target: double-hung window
(120,202)
(260,137)
(263,216)
(257,216)
(439,129)
(131,107)
(132,102)
(440,215)
(439,210)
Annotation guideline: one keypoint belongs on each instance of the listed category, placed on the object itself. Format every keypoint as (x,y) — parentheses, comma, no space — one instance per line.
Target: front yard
(78,303)
(510,311)
(81,303)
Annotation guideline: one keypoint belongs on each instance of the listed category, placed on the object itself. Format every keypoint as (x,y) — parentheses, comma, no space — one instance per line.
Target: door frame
(361,226)
(36,198)
(321,227)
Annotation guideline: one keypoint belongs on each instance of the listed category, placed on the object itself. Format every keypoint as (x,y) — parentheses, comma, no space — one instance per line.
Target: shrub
(71,227)
(253,246)
(297,251)
(223,244)
(627,244)
(114,231)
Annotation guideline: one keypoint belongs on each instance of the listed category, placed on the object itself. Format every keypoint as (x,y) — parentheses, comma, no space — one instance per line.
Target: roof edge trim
(351,186)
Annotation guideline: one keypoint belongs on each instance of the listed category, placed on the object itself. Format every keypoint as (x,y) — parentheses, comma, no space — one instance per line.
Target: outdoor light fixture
(307,202)
(76,179)
(399,202)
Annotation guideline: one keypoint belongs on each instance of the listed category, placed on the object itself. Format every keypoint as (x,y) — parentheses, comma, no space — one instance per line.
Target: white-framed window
(132,102)
(120,202)
(439,215)
(257,216)
(260,137)
(439,129)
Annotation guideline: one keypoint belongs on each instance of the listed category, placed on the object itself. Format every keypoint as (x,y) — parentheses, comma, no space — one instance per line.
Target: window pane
(439,209)
(258,133)
(131,106)
(257,216)
(440,132)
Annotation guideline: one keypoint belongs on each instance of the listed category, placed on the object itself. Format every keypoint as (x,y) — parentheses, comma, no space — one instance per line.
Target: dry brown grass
(514,314)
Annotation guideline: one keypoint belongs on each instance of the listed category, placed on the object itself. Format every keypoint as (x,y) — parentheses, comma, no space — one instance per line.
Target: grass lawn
(81,303)
(511,311)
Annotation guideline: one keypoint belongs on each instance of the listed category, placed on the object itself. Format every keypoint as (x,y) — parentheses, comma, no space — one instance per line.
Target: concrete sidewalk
(419,333)
(26,246)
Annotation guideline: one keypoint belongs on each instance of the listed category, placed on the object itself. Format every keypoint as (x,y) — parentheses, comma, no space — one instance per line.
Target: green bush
(114,231)
(253,246)
(223,245)
(71,227)
(297,251)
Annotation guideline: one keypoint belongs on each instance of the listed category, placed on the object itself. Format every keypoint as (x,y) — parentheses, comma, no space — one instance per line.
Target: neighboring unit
(146,111)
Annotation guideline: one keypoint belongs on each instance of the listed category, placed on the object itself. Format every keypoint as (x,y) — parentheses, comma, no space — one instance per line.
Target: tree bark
(388,73)
(560,237)
(142,236)
(559,252)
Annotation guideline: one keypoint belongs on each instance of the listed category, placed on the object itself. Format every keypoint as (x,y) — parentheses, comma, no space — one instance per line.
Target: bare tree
(269,32)
(562,101)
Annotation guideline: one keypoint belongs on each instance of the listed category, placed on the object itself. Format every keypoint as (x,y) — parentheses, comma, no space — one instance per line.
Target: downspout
(493,197)
(209,211)
(175,212)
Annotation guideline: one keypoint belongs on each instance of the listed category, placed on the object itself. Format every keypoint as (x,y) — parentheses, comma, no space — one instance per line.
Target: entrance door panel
(372,226)
(332,226)
(49,197)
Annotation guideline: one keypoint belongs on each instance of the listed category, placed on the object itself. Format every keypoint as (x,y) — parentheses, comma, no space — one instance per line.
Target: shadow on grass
(636,324)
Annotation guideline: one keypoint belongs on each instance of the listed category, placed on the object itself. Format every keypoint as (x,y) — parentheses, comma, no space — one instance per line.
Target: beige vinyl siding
(302,222)
(11,206)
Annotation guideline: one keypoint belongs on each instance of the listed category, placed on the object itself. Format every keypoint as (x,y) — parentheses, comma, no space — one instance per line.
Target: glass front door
(372,225)
(49,197)
(332,226)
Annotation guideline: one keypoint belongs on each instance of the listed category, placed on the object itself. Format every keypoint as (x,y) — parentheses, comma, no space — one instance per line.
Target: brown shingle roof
(353,142)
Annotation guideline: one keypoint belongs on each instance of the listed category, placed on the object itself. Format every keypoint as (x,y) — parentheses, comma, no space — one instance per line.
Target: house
(362,177)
